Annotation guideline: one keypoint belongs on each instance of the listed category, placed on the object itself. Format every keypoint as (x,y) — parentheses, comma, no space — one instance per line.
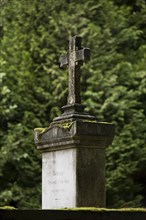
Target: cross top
(74,59)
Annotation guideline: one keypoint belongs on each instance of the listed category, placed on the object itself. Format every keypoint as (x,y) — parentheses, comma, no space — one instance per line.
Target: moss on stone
(40,131)
(8,208)
(65,125)
(94,121)
(90,121)
(106,209)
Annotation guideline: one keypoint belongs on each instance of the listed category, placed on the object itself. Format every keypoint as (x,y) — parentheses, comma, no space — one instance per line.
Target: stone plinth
(73,163)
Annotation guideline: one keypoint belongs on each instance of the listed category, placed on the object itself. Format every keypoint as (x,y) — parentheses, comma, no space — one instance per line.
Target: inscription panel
(59,179)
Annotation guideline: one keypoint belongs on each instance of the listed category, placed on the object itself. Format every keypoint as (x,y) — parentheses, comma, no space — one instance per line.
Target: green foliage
(33,88)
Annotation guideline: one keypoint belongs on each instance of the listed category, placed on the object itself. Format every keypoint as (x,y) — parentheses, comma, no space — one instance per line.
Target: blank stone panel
(59,179)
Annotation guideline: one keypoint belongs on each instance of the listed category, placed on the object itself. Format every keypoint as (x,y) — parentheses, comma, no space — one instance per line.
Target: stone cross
(74,59)
(73,147)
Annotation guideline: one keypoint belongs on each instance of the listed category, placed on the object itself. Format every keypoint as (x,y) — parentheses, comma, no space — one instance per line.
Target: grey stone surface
(90,177)
(78,133)
(59,179)
(73,178)
(73,163)
(74,59)
(73,146)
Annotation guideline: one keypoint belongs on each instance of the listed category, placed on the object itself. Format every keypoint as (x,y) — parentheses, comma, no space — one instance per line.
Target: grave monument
(73,146)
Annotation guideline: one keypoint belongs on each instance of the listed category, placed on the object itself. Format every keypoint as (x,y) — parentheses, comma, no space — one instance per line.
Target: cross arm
(63,60)
(83,54)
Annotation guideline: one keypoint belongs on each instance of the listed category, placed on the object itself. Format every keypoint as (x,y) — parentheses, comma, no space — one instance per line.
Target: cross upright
(74,59)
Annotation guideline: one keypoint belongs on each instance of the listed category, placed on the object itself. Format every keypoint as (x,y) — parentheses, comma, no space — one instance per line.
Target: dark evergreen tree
(33,88)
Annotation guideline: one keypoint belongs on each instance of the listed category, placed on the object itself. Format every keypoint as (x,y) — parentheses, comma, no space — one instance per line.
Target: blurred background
(33,34)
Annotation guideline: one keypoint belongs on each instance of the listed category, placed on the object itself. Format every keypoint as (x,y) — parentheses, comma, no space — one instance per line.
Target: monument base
(74,111)
(73,163)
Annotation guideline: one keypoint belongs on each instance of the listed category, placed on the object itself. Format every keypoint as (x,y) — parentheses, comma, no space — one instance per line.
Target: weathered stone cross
(74,59)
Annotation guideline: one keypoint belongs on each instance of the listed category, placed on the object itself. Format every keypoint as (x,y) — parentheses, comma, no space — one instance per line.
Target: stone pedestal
(73,162)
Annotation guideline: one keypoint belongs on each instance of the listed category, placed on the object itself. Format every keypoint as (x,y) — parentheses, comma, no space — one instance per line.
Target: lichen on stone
(95,209)
(40,131)
(8,208)
(90,121)
(65,125)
